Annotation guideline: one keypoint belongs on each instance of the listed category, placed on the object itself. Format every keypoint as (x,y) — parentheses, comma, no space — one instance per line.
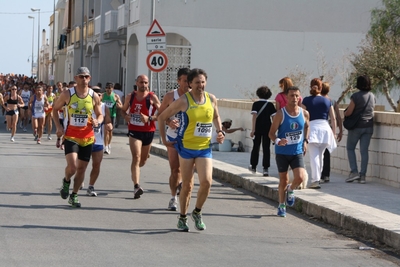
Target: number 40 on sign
(157,61)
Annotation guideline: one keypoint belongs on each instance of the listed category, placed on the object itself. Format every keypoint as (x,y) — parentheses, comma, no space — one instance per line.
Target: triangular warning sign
(155,30)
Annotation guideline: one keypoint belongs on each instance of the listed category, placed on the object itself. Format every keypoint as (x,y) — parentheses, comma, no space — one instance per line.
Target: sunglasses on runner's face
(84,76)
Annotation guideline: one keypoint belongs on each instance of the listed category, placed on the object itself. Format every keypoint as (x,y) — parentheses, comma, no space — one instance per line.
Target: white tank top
(99,135)
(25,95)
(38,108)
(173,133)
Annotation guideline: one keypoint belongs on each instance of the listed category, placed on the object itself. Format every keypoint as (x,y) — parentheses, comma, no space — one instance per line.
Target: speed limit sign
(157,61)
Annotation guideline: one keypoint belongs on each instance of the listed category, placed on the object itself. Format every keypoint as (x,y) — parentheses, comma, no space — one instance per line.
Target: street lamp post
(81,37)
(38,41)
(33,38)
(52,43)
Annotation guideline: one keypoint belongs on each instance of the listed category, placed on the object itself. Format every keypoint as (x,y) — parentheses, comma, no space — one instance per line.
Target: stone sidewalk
(370,211)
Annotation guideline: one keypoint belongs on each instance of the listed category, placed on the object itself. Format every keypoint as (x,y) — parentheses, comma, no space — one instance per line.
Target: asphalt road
(38,228)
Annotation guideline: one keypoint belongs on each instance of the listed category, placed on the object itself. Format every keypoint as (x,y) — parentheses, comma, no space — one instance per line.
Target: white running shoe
(12,139)
(173,204)
(49,137)
(90,192)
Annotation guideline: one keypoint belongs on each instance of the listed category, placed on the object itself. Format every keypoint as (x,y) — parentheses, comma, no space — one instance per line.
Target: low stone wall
(384,150)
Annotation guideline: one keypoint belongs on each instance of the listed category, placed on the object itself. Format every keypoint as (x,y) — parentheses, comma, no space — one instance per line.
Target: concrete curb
(335,214)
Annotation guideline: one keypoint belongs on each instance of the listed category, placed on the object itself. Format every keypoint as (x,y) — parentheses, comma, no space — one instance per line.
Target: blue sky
(16,38)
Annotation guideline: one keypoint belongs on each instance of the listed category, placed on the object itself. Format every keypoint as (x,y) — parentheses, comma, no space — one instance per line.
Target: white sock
(288,188)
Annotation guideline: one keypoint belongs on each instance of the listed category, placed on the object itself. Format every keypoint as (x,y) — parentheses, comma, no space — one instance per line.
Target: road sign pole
(158,86)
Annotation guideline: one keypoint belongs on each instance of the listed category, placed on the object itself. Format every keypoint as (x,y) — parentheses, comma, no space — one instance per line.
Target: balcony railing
(97,25)
(72,36)
(123,13)
(134,11)
(89,29)
(111,21)
(77,31)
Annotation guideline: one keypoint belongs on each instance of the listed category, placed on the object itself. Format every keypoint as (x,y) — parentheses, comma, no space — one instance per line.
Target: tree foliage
(387,19)
(379,55)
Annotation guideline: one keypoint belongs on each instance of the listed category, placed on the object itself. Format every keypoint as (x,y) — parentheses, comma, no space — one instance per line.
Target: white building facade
(240,44)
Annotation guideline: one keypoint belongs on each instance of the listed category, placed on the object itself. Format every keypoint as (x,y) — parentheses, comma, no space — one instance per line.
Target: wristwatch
(306,140)
(150,118)
(220,131)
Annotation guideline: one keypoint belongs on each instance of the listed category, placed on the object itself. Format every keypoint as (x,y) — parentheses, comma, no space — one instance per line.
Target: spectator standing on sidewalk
(199,112)
(292,124)
(175,178)
(321,136)
(280,99)
(261,112)
(141,106)
(361,102)
(226,127)
(326,170)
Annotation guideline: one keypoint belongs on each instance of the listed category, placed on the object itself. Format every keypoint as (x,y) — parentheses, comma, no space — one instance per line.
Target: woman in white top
(37,105)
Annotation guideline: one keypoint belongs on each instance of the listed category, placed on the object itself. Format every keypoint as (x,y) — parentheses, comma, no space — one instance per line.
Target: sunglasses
(13,89)
(84,76)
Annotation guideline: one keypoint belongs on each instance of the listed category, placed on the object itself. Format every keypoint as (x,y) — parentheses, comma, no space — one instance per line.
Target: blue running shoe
(289,197)
(282,211)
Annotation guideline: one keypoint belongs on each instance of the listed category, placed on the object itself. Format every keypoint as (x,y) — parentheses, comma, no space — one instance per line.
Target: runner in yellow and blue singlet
(199,113)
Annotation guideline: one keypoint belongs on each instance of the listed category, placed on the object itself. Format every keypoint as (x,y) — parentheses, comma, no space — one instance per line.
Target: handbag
(350,122)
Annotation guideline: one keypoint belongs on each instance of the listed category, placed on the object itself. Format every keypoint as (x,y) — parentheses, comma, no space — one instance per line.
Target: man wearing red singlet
(138,111)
